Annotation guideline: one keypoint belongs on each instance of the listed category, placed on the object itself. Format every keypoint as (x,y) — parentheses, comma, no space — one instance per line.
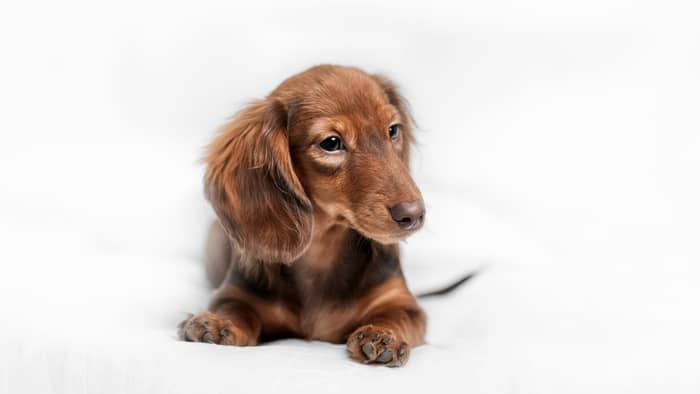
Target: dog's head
(333,143)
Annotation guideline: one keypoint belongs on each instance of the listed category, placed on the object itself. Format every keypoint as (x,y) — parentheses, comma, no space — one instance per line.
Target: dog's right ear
(400,103)
(251,184)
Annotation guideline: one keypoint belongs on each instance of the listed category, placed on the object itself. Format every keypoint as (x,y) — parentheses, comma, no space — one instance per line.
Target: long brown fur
(305,245)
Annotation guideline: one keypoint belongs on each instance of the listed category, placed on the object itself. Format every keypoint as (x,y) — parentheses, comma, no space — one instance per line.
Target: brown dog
(313,191)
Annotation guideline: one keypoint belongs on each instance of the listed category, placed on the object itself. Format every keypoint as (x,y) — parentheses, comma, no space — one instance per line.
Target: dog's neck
(328,242)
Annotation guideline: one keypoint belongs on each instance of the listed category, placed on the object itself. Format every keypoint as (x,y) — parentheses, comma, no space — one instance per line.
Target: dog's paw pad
(368,350)
(373,345)
(207,327)
(385,357)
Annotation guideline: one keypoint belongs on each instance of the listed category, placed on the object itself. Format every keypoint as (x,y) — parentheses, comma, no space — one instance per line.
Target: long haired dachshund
(312,190)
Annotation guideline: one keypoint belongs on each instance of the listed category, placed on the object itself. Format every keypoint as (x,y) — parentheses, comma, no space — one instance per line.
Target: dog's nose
(408,214)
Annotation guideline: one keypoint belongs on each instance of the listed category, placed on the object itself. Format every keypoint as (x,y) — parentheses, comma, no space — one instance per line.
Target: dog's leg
(229,322)
(390,329)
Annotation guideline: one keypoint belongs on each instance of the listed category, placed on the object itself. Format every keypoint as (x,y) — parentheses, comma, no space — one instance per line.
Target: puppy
(312,190)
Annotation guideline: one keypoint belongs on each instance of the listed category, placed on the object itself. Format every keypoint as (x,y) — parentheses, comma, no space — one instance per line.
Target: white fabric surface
(558,149)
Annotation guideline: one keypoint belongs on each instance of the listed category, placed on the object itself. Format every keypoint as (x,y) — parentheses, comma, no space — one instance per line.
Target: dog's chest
(330,301)
(324,314)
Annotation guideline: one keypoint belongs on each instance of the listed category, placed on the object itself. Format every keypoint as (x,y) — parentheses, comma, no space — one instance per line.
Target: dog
(313,192)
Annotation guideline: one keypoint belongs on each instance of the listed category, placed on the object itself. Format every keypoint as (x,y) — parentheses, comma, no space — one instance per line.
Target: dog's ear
(251,184)
(400,103)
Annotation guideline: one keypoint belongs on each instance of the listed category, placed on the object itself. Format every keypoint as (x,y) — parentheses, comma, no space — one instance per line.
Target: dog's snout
(408,214)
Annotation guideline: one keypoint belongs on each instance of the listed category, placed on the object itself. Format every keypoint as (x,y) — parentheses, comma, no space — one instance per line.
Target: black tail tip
(453,286)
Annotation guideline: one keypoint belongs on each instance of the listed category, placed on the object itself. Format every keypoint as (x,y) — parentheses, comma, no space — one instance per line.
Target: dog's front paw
(371,344)
(211,328)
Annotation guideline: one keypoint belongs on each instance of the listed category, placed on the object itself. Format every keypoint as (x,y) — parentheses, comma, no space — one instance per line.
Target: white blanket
(561,155)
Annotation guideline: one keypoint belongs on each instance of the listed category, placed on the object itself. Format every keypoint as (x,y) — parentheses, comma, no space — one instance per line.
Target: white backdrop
(558,148)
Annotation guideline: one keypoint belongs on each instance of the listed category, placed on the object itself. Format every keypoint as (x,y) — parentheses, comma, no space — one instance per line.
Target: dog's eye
(394,131)
(332,144)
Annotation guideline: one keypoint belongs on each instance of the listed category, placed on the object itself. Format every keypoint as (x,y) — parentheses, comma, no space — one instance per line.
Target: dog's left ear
(399,102)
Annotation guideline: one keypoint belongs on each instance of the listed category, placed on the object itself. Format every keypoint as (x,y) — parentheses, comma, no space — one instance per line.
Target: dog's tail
(451,287)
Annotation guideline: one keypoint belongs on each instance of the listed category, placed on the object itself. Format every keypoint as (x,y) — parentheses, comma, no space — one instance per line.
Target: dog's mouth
(394,234)
(385,229)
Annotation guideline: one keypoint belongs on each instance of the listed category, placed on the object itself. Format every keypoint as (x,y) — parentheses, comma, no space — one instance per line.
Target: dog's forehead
(347,100)
(348,96)
(364,104)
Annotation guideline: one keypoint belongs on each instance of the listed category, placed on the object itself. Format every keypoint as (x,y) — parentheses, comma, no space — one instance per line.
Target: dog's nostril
(408,214)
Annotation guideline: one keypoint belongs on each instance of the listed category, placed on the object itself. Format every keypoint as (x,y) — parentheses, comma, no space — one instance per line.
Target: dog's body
(313,192)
